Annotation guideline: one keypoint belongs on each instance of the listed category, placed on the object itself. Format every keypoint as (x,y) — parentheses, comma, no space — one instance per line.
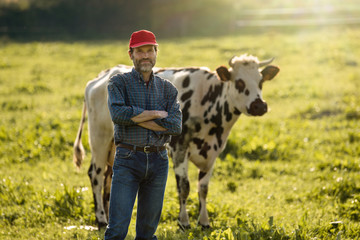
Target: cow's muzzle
(257,108)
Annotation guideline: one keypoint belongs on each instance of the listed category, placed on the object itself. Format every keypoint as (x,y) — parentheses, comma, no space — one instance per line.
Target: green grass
(291,174)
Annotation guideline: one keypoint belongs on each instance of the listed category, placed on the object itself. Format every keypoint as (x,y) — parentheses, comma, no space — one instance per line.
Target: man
(145,112)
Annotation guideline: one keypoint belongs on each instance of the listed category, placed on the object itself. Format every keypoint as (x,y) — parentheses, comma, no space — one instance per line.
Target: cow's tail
(79,152)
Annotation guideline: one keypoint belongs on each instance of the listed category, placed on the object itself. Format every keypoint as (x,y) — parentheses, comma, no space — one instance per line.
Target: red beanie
(142,37)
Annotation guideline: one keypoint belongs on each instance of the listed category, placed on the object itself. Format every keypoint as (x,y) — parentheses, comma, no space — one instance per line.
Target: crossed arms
(167,121)
(145,119)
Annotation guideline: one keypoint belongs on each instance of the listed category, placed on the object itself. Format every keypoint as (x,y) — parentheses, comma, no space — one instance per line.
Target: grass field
(291,174)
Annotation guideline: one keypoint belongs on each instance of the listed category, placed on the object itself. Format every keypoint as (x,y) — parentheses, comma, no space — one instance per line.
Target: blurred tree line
(114,18)
(91,19)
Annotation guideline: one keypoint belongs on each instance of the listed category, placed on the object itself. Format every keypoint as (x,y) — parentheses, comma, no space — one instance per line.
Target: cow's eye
(240,85)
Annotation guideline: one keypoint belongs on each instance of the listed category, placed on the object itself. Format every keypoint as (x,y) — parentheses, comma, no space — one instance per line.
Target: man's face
(144,58)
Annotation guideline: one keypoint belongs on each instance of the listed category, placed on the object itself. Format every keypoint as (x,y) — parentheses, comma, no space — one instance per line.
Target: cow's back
(192,84)
(96,100)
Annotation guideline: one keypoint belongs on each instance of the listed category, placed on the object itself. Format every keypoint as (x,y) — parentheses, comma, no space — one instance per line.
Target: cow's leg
(204,179)
(96,175)
(107,181)
(183,187)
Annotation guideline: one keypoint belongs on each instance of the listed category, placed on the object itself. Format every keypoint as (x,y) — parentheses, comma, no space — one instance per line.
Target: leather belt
(145,149)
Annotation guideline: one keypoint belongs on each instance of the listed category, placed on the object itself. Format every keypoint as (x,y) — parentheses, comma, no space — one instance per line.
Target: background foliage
(291,174)
(84,19)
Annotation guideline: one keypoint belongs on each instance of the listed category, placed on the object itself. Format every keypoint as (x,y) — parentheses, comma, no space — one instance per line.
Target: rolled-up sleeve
(173,122)
(120,113)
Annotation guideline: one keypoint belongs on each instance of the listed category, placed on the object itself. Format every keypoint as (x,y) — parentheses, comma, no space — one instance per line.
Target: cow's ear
(269,72)
(223,73)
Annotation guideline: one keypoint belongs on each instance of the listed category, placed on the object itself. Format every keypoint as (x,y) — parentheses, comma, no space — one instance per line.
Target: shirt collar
(138,76)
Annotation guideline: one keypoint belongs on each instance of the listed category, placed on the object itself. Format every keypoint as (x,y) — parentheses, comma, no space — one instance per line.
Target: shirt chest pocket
(160,105)
(158,98)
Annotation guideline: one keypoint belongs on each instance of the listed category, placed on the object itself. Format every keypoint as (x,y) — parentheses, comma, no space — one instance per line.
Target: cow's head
(246,79)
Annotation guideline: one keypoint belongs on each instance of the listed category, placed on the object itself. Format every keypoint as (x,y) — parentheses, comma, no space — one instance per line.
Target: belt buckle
(147,149)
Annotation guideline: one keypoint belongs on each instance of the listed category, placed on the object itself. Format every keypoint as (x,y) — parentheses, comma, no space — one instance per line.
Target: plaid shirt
(129,96)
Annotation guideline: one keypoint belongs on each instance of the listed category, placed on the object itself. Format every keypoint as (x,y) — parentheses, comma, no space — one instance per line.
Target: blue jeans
(142,174)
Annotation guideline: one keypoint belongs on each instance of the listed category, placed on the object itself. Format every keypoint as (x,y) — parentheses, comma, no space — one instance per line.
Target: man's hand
(162,114)
(149,115)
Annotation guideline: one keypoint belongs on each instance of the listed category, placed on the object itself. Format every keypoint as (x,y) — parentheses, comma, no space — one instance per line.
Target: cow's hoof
(183,227)
(101,225)
(204,227)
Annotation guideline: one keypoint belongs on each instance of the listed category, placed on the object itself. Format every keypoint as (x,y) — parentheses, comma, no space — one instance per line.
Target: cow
(211,103)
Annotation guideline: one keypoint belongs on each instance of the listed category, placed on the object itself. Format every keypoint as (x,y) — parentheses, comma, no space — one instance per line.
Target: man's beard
(144,67)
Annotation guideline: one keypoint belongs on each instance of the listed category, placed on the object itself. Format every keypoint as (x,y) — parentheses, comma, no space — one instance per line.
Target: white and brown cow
(210,102)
